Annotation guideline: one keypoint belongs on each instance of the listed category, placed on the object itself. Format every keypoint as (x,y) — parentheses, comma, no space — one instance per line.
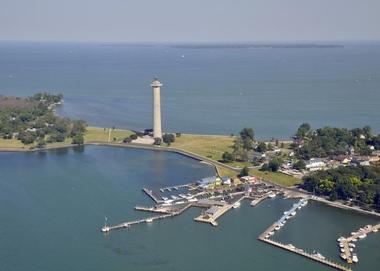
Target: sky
(190,20)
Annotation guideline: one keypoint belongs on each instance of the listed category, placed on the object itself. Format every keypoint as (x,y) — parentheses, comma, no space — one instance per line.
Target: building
(156,86)
(315,164)
(207,182)
(226,180)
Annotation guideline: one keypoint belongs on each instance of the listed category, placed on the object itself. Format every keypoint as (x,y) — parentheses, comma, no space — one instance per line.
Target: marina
(347,246)
(269,232)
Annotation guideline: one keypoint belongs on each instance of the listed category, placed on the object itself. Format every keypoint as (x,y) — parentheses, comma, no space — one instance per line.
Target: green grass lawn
(209,146)
(276,177)
(93,134)
(101,135)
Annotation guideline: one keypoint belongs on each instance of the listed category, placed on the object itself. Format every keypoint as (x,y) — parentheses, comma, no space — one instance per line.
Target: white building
(315,164)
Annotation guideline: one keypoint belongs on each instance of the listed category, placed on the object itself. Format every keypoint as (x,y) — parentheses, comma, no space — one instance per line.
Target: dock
(260,199)
(353,238)
(215,212)
(151,195)
(264,237)
(144,220)
(314,257)
(175,187)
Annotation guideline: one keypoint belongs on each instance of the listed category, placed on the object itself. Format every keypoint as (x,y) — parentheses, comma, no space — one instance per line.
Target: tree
(247,133)
(227,157)
(78,127)
(168,138)
(274,164)
(261,147)
(78,139)
(41,144)
(244,172)
(304,130)
(299,165)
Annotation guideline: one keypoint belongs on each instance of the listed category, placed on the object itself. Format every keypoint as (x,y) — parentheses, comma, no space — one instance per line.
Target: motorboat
(236,205)
(355,258)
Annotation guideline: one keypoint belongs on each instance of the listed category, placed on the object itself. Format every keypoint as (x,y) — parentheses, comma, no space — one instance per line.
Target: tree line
(32,120)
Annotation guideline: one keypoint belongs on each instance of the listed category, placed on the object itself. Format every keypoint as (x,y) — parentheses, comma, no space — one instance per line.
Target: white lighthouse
(156,85)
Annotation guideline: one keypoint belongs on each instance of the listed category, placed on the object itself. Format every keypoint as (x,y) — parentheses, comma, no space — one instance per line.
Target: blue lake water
(212,91)
(53,203)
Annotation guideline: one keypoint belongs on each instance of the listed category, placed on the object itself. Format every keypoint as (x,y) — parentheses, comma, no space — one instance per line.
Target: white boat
(277,228)
(180,202)
(236,205)
(149,220)
(272,195)
(293,213)
(182,196)
(362,236)
(351,249)
(353,233)
(375,230)
(342,250)
(192,200)
(343,256)
(355,258)
(165,198)
(341,245)
(304,203)
(340,239)
(174,197)
(162,190)
(105,229)
(351,245)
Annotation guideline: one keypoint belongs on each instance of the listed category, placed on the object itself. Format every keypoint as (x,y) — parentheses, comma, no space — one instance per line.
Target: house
(208,181)
(315,164)
(343,159)
(250,179)
(226,180)
(360,161)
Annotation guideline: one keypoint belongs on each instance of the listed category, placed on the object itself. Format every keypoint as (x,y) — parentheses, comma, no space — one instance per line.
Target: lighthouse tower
(156,85)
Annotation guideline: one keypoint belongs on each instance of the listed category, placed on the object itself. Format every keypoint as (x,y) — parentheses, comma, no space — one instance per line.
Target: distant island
(256,46)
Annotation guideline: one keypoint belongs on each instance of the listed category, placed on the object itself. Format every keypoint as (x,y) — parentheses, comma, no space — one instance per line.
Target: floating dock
(353,238)
(314,257)
(264,237)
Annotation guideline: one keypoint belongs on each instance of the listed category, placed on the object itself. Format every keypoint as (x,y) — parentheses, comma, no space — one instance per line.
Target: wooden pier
(144,220)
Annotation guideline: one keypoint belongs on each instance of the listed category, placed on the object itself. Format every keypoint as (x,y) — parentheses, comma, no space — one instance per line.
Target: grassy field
(92,134)
(102,135)
(12,144)
(276,177)
(209,146)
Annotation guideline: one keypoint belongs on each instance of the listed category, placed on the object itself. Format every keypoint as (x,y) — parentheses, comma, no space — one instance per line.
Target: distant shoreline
(257,46)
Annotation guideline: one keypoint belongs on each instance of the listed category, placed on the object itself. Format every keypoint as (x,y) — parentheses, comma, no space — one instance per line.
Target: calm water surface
(53,203)
(212,91)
